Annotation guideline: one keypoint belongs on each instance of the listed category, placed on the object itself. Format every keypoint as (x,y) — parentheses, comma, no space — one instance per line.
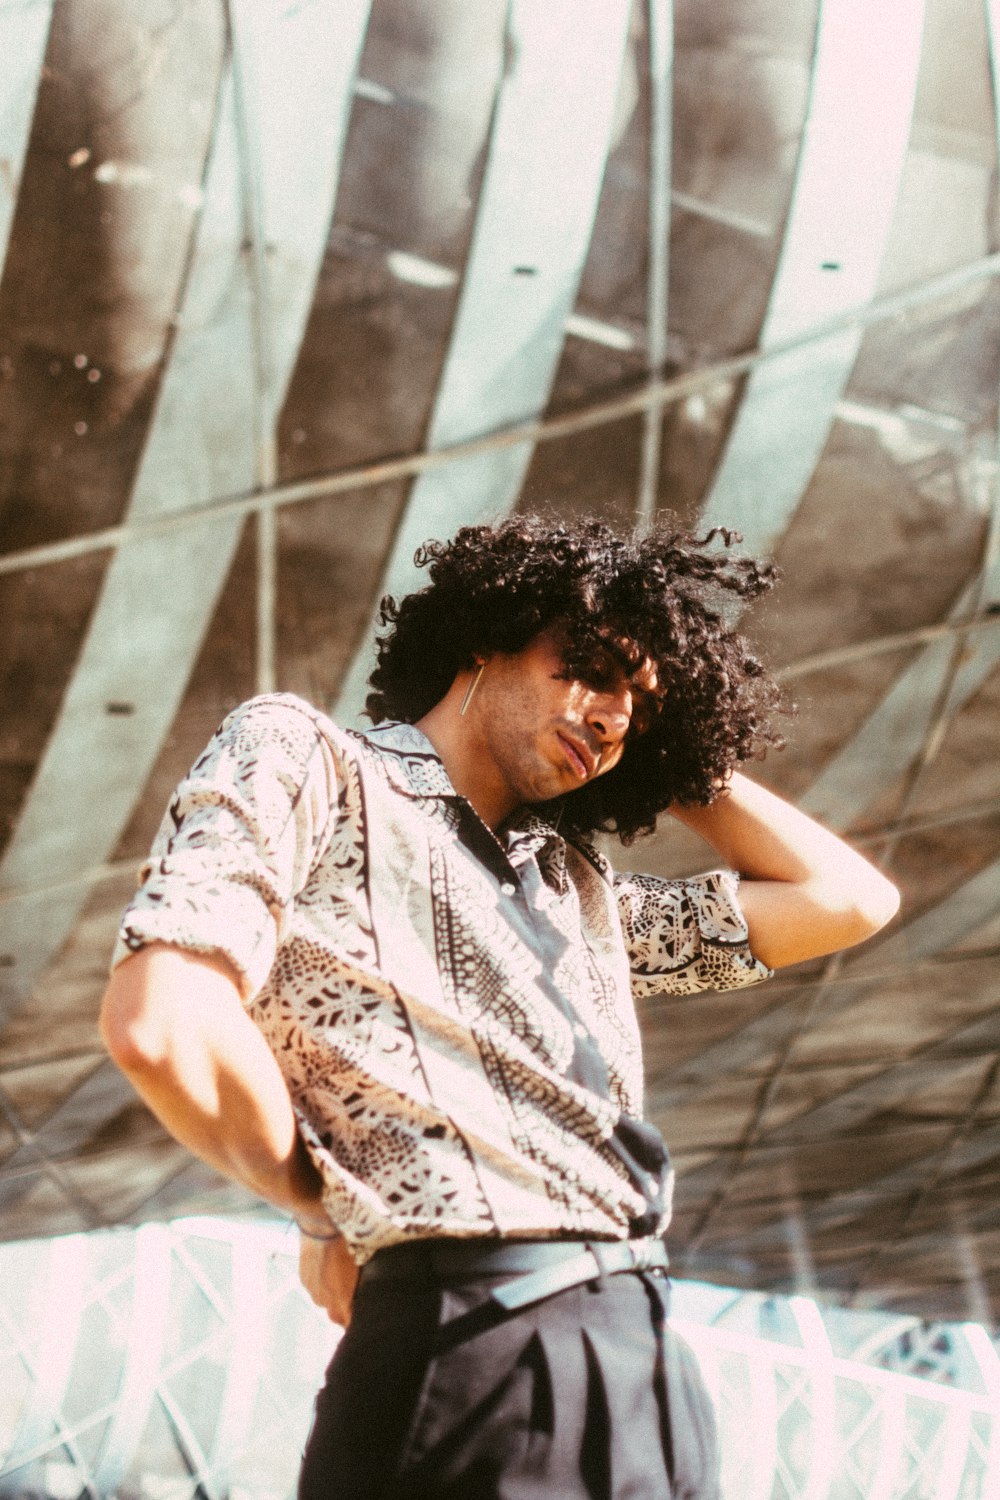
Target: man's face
(547,734)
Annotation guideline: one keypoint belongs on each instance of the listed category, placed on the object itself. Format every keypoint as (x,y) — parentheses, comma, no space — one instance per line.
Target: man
(387,982)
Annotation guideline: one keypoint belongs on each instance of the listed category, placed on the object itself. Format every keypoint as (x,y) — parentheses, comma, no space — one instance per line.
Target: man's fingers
(329,1274)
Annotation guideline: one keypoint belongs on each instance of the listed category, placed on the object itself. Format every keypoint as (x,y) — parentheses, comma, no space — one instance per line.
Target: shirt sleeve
(686,935)
(238,840)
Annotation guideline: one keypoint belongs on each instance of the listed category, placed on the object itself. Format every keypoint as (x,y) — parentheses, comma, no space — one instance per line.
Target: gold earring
(473,684)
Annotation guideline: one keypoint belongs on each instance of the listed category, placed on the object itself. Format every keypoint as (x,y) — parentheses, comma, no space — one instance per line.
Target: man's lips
(581,760)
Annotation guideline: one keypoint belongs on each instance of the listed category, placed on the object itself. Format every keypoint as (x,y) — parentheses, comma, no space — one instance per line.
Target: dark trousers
(436,1392)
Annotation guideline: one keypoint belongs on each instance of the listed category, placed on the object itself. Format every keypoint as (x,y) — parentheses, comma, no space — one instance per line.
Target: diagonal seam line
(920,1194)
(766,1096)
(548,429)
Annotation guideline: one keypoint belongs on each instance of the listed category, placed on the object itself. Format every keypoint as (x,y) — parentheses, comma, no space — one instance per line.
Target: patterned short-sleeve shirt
(452,1009)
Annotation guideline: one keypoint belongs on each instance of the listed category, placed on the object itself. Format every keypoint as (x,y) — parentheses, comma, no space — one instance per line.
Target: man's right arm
(199,938)
(174,1023)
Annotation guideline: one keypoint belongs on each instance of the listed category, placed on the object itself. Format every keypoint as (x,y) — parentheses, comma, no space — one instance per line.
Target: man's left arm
(804,891)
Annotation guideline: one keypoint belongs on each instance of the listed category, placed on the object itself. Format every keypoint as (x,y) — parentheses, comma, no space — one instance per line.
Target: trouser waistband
(539,1268)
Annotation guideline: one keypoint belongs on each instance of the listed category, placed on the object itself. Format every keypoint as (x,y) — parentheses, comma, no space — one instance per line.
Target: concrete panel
(273,171)
(852,159)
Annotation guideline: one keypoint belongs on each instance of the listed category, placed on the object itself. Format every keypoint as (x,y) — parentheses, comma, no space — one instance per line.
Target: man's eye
(644,715)
(603,673)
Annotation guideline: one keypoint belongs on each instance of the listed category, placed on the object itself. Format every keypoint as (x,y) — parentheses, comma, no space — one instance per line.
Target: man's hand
(329,1274)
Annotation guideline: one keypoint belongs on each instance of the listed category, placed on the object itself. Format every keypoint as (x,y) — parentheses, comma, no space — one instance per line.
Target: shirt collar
(409,760)
(414,768)
(530,836)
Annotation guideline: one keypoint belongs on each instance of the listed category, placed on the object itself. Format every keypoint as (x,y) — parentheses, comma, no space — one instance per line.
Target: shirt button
(507,889)
(580,1031)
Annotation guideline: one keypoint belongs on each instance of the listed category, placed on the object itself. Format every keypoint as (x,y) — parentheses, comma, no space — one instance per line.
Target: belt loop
(644,1253)
(596,1249)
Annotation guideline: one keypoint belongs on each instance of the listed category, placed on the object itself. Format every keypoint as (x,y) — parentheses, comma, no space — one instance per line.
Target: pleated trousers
(435,1393)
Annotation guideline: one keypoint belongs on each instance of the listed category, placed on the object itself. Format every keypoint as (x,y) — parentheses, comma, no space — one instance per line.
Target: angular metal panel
(661,80)
(841,1208)
(889,740)
(893,734)
(96,760)
(823,1451)
(852,159)
(209,421)
(908,1079)
(249,1320)
(104,1094)
(24,31)
(966,909)
(547,155)
(60,1313)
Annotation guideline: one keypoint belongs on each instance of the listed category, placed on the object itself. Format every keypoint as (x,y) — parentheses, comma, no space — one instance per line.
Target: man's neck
(469,766)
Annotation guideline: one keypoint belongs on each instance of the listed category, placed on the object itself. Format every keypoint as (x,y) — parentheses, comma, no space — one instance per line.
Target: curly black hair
(661,596)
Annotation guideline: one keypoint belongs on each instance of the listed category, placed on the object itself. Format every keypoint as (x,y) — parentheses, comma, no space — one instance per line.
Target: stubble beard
(528,771)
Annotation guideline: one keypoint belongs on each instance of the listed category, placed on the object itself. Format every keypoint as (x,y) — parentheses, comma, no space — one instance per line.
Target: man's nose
(610,715)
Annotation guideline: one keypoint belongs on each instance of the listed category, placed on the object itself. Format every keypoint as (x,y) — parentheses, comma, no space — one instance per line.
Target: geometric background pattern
(180,1361)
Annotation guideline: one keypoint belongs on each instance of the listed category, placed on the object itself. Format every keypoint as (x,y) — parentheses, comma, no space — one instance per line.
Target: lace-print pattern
(451,1108)
(596,987)
(684,936)
(552,1120)
(238,841)
(409,766)
(485,972)
(526,1045)
(414,1161)
(334,902)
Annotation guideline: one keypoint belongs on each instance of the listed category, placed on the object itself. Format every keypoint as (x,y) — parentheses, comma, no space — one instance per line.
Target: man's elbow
(873,905)
(131,1027)
(128,1042)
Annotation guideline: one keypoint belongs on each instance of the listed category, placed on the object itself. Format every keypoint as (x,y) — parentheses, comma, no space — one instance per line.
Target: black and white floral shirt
(452,1010)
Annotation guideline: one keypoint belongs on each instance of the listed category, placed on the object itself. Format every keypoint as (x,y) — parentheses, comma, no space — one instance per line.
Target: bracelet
(311,1234)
